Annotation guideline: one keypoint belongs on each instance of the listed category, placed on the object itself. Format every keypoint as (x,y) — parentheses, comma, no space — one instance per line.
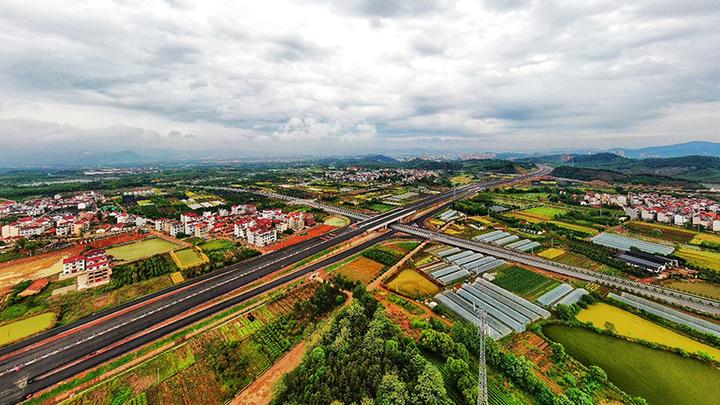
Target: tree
(392,391)
(430,388)
(456,368)
(597,375)
(578,397)
(558,352)
(566,312)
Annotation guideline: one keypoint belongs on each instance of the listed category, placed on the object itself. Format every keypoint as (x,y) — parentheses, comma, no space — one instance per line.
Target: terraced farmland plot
(524,282)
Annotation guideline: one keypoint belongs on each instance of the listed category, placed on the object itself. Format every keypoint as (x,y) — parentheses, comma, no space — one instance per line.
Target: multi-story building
(260,238)
(73,265)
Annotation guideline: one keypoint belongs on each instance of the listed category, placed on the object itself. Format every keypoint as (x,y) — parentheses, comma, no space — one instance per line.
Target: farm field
(551,253)
(701,258)
(462,179)
(337,221)
(360,269)
(524,282)
(705,237)
(141,249)
(542,212)
(412,284)
(567,225)
(380,208)
(633,326)
(217,244)
(579,260)
(661,377)
(660,231)
(697,287)
(576,227)
(26,327)
(185,372)
(188,257)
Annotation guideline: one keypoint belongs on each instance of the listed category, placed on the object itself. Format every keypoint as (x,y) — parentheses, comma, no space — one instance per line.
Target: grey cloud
(465,71)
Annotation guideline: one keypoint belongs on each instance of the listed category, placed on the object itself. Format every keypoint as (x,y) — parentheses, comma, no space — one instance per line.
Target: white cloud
(283,76)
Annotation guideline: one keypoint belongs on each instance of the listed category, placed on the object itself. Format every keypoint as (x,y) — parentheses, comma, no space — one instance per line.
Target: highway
(31,365)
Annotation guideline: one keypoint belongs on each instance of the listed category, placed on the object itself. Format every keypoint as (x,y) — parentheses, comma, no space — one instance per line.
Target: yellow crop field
(463,179)
(189,257)
(551,253)
(705,237)
(633,326)
(702,258)
(26,327)
(410,283)
(177,277)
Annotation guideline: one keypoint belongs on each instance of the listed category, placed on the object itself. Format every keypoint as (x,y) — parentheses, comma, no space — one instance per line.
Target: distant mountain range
(699,148)
(74,158)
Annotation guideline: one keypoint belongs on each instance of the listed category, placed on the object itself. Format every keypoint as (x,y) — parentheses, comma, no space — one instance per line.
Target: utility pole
(482,398)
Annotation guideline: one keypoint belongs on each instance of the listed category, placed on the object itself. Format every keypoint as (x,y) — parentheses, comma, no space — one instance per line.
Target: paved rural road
(31,365)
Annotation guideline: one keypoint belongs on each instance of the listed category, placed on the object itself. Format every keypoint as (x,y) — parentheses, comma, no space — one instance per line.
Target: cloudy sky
(328,76)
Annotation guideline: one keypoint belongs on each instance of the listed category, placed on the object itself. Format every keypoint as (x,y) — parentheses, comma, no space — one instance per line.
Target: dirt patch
(294,240)
(31,268)
(537,350)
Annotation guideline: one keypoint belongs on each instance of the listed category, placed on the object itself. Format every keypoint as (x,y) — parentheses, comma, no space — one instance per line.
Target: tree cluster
(364,359)
(142,270)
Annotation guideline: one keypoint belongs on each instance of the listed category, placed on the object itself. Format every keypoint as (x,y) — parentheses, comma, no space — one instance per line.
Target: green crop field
(217,244)
(661,377)
(188,257)
(141,249)
(702,258)
(576,227)
(380,208)
(524,282)
(543,212)
(660,231)
(631,325)
(26,327)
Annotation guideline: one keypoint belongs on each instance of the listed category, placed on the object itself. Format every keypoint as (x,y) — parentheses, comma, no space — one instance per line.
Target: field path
(261,391)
